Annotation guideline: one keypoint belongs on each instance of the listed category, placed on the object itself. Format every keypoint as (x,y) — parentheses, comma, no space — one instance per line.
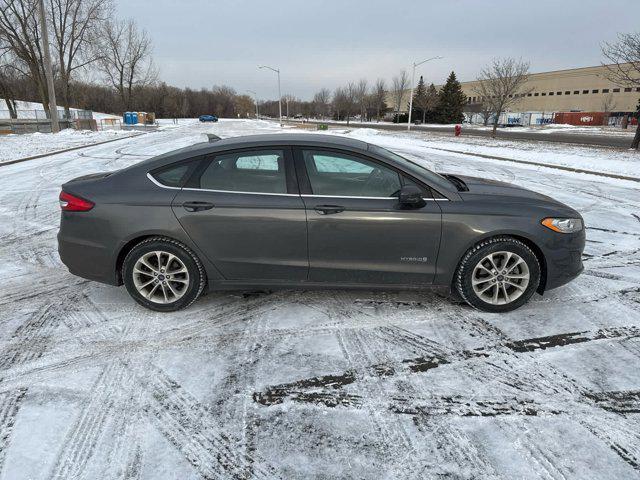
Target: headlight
(563,225)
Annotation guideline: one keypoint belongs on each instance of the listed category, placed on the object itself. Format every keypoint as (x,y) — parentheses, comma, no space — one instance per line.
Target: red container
(582,118)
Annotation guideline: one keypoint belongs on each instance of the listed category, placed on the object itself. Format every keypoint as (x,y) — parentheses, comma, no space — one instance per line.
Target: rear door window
(174,175)
(257,171)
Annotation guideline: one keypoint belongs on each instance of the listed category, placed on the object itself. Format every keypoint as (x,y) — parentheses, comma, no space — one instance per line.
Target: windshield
(436,180)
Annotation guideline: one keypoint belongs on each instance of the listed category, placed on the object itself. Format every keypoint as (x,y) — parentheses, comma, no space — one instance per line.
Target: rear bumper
(563,255)
(86,259)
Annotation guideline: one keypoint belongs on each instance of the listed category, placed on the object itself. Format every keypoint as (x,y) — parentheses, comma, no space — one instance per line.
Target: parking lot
(316,384)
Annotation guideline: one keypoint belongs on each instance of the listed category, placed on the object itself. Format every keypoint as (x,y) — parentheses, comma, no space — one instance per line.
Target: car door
(244,211)
(357,231)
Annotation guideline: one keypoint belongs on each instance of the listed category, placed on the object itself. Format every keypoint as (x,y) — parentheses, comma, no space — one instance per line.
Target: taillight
(71,203)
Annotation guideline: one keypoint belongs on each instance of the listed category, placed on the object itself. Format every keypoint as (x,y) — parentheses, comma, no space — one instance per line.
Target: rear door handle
(328,209)
(197,206)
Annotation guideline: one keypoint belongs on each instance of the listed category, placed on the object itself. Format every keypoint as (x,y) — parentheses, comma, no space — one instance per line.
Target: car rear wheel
(163,275)
(498,275)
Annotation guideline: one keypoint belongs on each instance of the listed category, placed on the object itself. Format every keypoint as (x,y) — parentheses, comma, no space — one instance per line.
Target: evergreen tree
(432,100)
(451,101)
(419,100)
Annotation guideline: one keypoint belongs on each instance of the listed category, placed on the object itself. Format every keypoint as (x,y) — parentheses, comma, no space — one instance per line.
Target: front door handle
(328,209)
(197,206)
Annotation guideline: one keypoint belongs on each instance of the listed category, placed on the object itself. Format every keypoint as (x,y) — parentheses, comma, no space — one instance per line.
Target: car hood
(494,187)
(503,191)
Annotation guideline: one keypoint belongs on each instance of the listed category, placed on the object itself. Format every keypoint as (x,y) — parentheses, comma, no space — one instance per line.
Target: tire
(166,264)
(504,289)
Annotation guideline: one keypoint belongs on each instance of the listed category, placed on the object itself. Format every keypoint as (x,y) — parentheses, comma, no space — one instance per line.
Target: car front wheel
(163,275)
(498,275)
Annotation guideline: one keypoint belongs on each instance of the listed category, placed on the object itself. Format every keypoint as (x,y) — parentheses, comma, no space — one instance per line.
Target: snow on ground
(14,146)
(547,128)
(316,384)
(599,159)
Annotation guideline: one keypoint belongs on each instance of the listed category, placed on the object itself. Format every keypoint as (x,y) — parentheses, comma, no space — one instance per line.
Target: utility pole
(53,107)
(279,91)
(413,78)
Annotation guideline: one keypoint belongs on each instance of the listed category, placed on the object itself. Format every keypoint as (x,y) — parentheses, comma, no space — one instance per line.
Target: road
(315,384)
(513,133)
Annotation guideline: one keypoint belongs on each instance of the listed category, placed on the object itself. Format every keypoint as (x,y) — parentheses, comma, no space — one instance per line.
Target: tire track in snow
(80,444)
(279,393)
(9,407)
(189,427)
(359,348)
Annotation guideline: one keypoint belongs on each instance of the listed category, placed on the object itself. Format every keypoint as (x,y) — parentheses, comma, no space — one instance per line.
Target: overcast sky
(316,43)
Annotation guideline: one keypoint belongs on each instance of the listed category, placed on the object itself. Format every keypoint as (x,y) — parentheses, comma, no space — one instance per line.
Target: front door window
(343,175)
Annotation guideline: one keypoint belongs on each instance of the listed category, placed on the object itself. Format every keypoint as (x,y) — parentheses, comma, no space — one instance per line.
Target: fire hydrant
(458,130)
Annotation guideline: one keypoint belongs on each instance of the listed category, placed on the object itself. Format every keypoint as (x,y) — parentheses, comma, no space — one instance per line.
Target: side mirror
(411,197)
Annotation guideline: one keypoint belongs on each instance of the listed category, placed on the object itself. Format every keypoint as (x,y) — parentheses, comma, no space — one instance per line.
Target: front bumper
(563,255)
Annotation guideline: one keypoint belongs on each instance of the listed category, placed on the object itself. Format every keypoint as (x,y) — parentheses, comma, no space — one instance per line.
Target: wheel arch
(125,249)
(529,242)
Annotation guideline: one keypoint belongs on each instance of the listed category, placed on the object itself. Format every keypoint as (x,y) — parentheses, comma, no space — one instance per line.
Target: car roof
(279,139)
(249,141)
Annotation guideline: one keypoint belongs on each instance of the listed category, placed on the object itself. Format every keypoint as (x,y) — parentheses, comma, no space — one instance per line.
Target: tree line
(100,63)
(104,63)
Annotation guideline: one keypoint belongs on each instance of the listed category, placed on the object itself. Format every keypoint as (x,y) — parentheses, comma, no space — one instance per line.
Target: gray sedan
(312,211)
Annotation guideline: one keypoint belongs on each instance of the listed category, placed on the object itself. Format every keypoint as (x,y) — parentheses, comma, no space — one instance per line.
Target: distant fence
(32,121)
(35,114)
(544,118)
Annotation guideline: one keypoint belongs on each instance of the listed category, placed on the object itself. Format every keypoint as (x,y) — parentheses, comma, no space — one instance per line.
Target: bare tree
(361,97)
(623,67)
(20,32)
(344,101)
(501,85)
(7,79)
(338,101)
(400,84)
(351,96)
(73,24)
(125,58)
(321,101)
(379,94)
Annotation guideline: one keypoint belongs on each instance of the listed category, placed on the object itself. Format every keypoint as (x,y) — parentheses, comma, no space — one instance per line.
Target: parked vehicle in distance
(208,118)
(310,210)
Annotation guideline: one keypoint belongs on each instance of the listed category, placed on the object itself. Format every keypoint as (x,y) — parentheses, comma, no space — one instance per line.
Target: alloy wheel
(160,277)
(500,278)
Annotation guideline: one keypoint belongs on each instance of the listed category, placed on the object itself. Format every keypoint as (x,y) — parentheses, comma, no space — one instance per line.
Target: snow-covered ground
(316,384)
(598,159)
(548,128)
(13,147)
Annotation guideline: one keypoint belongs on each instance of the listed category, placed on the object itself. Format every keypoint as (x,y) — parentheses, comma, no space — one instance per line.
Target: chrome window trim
(150,177)
(157,183)
(366,198)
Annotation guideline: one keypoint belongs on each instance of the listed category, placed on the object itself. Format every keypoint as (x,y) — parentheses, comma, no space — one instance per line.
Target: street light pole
(279,91)
(413,78)
(255,96)
(53,107)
